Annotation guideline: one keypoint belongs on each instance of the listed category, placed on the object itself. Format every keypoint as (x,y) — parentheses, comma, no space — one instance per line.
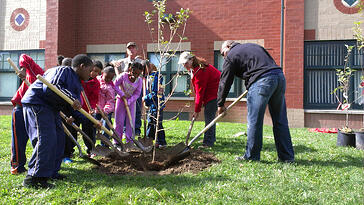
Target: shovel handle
(84,96)
(115,136)
(190,129)
(68,133)
(218,117)
(70,101)
(17,71)
(78,130)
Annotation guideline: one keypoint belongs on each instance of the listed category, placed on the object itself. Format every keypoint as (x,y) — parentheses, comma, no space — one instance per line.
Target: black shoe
(58,177)
(36,182)
(43,181)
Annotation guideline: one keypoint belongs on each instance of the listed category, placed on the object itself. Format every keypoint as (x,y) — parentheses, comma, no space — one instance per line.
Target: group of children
(115,88)
(40,106)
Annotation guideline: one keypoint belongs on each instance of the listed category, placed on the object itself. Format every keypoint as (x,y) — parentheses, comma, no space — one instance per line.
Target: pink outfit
(131,91)
(106,95)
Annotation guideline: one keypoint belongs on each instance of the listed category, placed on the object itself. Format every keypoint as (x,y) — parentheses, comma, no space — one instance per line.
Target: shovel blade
(177,149)
(101,151)
(91,160)
(174,158)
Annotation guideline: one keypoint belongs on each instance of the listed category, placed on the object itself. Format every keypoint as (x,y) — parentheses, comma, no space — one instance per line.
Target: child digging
(41,108)
(106,95)
(127,85)
(29,70)
(151,100)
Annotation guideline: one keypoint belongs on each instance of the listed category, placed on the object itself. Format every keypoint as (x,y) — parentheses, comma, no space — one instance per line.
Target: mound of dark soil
(141,164)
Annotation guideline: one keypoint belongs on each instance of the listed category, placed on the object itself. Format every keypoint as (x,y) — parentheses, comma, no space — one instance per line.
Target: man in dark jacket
(266,84)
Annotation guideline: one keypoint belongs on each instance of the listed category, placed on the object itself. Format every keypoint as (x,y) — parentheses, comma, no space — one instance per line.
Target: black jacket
(247,61)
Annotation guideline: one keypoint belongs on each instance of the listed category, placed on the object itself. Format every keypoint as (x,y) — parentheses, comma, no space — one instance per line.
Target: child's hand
(70,120)
(98,125)
(76,105)
(22,74)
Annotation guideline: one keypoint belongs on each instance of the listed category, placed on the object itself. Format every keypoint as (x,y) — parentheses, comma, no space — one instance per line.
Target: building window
(170,68)
(238,87)
(106,57)
(9,81)
(321,59)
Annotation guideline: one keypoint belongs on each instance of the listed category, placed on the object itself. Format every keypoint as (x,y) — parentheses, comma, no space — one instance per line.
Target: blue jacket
(151,98)
(66,80)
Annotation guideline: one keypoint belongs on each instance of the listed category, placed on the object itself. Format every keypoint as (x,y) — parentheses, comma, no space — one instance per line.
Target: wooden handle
(190,129)
(128,112)
(17,71)
(218,117)
(70,101)
(84,96)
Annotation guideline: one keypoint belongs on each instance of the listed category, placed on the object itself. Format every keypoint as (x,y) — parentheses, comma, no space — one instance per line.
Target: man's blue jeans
(268,90)
(210,113)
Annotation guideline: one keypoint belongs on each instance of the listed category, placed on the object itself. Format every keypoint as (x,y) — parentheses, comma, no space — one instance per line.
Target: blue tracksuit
(151,100)
(41,108)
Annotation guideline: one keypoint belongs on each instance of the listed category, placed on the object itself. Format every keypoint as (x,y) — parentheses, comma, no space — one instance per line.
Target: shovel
(98,150)
(136,142)
(68,133)
(86,114)
(179,152)
(182,145)
(115,136)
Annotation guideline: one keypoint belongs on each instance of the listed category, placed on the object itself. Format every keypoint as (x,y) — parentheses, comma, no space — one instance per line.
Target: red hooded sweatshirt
(206,83)
(92,90)
(32,70)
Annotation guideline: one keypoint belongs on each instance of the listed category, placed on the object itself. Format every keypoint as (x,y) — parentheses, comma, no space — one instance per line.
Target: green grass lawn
(322,174)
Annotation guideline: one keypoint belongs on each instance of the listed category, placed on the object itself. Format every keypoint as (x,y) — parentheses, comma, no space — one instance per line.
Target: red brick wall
(51,43)
(121,21)
(293,52)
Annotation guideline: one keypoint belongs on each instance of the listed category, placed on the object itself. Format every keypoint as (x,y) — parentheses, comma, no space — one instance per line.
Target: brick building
(101,29)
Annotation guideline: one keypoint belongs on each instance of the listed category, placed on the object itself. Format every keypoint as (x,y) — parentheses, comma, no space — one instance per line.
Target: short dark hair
(98,64)
(108,64)
(60,59)
(109,69)
(136,65)
(67,62)
(81,59)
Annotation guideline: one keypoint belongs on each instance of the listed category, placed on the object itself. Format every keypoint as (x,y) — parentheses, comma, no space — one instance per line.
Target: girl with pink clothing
(128,85)
(106,95)
(107,91)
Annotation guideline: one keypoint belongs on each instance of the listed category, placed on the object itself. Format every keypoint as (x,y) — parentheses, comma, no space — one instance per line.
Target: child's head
(82,65)
(135,69)
(108,73)
(67,62)
(96,70)
(59,60)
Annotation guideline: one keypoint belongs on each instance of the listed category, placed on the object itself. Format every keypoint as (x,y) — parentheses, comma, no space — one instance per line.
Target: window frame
(168,74)
(3,61)
(238,86)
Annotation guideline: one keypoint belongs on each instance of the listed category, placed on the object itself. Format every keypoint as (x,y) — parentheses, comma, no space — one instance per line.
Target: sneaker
(58,177)
(67,160)
(43,181)
(36,182)
(15,171)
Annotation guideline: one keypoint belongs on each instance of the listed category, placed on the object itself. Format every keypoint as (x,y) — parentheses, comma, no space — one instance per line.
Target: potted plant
(358,35)
(346,136)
